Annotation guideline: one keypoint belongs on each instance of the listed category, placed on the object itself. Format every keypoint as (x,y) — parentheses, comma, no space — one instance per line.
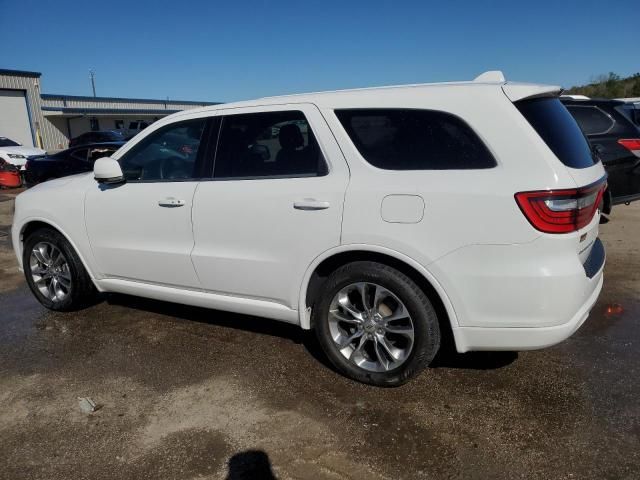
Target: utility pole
(92,77)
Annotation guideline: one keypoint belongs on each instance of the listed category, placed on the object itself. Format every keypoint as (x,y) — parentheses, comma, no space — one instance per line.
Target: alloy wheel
(49,270)
(371,327)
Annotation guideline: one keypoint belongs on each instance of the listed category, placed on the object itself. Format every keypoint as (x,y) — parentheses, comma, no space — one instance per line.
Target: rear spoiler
(516,91)
(520,91)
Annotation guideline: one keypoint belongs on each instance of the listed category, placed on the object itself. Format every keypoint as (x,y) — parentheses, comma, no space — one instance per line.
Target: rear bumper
(522,296)
(532,338)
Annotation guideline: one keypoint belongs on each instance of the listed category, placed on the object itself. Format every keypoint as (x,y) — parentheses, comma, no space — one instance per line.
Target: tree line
(609,86)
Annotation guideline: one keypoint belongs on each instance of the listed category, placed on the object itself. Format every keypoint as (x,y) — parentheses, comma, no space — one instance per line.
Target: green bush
(609,86)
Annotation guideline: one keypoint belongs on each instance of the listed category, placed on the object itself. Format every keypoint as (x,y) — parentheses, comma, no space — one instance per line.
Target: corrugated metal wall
(30,85)
(44,132)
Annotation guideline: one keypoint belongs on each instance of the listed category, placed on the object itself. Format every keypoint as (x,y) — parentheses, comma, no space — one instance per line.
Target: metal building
(49,121)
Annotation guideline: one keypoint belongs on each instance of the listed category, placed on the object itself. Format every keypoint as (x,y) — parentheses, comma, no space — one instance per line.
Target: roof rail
(490,77)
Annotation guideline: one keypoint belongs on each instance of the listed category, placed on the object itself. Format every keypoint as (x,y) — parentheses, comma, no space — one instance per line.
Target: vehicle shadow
(248,323)
(447,357)
(250,465)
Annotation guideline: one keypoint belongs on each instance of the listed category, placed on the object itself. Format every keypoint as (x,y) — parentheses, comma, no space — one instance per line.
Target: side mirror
(107,170)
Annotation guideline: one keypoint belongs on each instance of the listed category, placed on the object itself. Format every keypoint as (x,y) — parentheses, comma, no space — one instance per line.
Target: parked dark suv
(97,137)
(613,129)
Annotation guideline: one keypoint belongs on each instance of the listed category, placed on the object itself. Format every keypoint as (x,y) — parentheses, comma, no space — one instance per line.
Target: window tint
(558,130)
(396,139)
(80,154)
(630,112)
(6,142)
(591,119)
(167,154)
(119,124)
(267,145)
(94,124)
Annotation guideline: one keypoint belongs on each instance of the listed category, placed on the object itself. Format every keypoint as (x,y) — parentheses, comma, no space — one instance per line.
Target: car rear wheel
(375,324)
(55,273)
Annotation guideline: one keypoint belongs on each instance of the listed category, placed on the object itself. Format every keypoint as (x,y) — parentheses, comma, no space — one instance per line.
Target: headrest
(290,137)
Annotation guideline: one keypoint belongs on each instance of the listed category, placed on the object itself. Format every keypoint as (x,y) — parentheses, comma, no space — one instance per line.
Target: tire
(73,288)
(364,359)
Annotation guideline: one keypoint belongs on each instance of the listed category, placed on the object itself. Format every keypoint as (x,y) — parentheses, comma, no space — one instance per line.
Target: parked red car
(9,175)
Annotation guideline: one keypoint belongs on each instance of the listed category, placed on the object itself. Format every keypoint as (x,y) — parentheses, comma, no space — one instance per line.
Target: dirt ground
(187,393)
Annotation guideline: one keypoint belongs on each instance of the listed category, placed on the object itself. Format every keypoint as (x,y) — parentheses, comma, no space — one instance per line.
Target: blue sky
(224,51)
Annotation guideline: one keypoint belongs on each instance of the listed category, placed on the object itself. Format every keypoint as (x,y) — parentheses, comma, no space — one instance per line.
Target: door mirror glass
(107,170)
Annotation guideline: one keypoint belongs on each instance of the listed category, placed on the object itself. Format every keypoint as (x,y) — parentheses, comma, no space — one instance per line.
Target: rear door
(273,205)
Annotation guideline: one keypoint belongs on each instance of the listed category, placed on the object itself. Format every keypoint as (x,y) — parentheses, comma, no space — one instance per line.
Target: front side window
(591,120)
(408,139)
(119,124)
(168,154)
(94,124)
(269,144)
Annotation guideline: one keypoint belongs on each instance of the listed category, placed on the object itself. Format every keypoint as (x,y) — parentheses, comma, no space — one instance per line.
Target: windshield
(5,142)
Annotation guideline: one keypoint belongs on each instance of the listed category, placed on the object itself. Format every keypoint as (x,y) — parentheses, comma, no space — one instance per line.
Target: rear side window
(80,154)
(630,112)
(407,139)
(591,119)
(558,130)
(269,144)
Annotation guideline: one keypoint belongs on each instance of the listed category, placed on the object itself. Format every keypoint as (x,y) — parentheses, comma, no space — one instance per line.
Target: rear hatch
(567,210)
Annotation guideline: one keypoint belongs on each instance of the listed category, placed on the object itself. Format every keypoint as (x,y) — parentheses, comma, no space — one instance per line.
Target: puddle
(20,313)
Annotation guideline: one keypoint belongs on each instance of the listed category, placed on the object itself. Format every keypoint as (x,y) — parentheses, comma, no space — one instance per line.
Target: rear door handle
(310,204)
(171,202)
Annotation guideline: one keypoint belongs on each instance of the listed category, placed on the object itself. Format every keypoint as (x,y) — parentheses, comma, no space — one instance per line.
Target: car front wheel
(55,273)
(375,324)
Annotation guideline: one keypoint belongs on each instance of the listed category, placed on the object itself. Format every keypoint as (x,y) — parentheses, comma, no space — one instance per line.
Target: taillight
(561,211)
(631,144)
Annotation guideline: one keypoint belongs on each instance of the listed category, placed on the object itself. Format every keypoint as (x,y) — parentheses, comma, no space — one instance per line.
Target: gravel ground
(189,393)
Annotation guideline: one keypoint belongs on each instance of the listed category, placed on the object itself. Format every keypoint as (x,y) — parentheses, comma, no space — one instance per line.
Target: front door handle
(171,202)
(310,204)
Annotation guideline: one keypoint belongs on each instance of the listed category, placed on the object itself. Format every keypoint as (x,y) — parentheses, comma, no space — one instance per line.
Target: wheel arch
(326,263)
(33,224)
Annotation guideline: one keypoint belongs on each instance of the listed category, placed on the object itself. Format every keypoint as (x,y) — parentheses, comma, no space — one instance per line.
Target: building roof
(50,96)
(65,111)
(19,73)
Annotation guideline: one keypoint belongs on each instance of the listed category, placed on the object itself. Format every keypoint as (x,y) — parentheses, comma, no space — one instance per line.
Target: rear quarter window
(559,130)
(411,139)
(591,119)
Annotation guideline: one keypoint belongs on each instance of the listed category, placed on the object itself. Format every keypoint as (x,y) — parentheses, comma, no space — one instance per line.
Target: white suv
(381,218)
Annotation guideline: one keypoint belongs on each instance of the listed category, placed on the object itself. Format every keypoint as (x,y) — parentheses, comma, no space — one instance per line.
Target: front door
(273,205)
(142,230)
